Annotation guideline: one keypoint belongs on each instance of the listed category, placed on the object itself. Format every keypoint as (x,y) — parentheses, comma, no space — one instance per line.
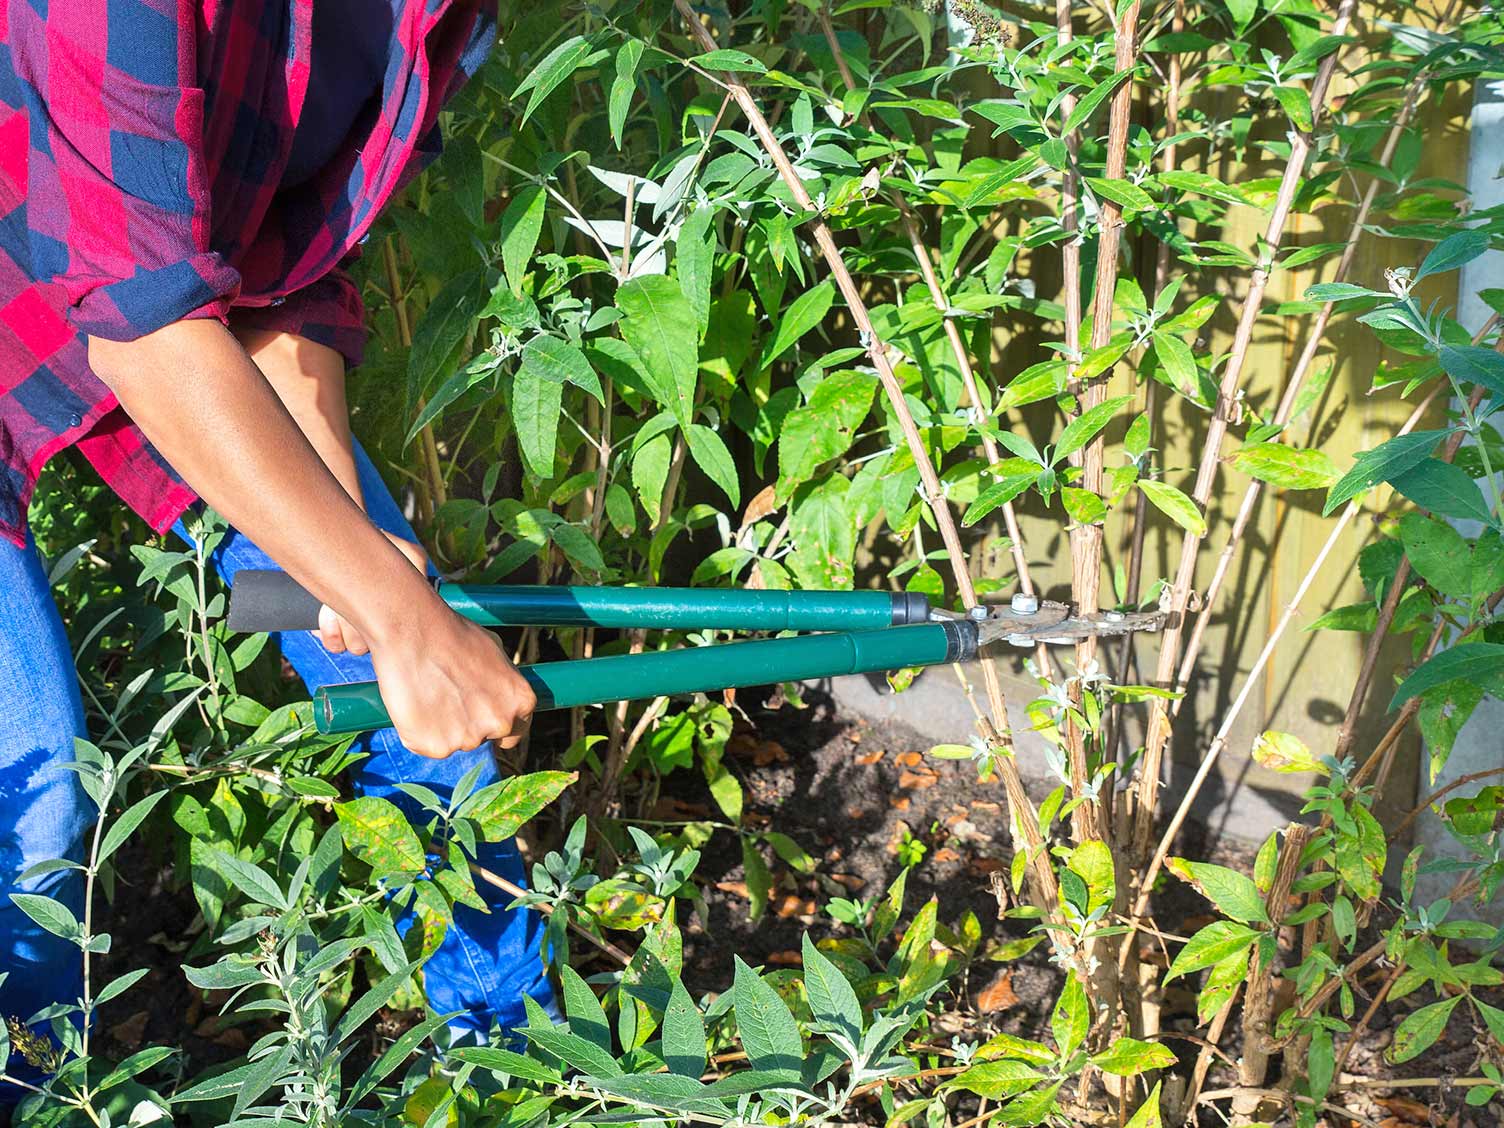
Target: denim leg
(487,961)
(44,813)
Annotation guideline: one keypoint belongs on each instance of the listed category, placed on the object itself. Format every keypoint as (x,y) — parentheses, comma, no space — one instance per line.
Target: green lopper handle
(590,681)
(273,601)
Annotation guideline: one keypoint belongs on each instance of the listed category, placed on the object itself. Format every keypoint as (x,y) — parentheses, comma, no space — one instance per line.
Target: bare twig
(1222,416)
(1219,742)
(1291,395)
(1024,818)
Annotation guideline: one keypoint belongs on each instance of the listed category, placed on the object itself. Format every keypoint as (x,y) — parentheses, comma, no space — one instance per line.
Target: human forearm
(309,379)
(213,415)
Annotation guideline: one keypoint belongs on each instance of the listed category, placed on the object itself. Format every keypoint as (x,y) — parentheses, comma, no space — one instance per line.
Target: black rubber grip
(271,601)
(963,639)
(910,607)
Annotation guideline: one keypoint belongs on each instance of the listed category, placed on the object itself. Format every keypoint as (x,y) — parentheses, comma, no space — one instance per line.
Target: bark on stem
(1287,401)
(1219,742)
(1086,540)
(952,334)
(1024,816)
(1222,416)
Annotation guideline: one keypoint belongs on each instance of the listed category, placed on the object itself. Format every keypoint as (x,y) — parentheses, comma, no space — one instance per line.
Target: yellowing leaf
(1284,752)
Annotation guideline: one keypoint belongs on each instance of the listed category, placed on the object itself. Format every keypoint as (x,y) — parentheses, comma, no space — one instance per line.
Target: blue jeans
(486,963)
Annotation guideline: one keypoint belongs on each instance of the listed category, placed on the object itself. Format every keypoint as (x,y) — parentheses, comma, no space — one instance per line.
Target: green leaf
(1297,106)
(1212,944)
(1092,862)
(768,1031)
(997,1080)
(726,59)
(1469,364)
(377,833)
(1242,12)
(503,808)
(759,880)
(1015,475)
(1339,291)
(583,1009)
(694,261)
(623,86)
(1286,467)
(537,404)
(568,57)
(1127,195)
(824,535)
(803,314)
(521,224)
(574,1051)
(1204,185)
(121,829)
(1148,1115)
(1384,463)
(1438,553)
(1082,429)
(54,916)
(1360,855)
(1072,1017)
(1092,99)
(250,879)
(1178,361)
(445,324)
(1222,983)
(824,428)
(1174,505)
(1128,1057)
(1419,1031)
(1443,488)
(659,324)
(560,362)
(1083,506)
(1452,252)
(710,455)
(832,1000)
(1035,383)
(1479,662)
(505,1061)
(1234,894)
(683,1034)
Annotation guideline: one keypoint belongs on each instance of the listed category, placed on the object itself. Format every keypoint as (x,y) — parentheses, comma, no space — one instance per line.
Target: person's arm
(208,409)
(309,379)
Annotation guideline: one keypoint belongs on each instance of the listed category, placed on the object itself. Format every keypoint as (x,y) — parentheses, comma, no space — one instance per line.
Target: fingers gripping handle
(271,601)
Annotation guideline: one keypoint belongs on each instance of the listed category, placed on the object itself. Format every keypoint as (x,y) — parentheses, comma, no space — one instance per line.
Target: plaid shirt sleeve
(117,185)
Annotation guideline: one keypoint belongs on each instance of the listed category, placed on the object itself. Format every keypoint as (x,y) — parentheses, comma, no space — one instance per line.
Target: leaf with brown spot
(765,504)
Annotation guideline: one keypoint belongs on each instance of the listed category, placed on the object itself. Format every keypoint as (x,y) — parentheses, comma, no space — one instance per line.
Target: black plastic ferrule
(910,607)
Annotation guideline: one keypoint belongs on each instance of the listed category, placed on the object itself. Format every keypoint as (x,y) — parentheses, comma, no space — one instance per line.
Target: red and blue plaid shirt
(142,144)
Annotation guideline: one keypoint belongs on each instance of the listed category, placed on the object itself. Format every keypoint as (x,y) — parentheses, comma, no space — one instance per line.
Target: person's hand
(448,686)
(446,683)
(339,635)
